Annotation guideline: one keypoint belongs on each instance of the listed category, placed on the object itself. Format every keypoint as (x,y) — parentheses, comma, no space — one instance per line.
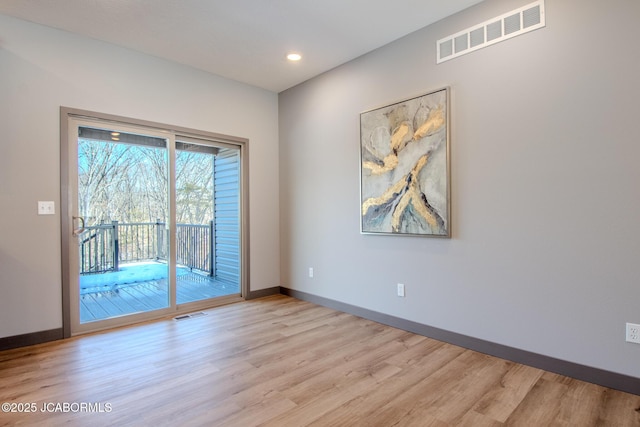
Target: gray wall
(42,69)
(545,185)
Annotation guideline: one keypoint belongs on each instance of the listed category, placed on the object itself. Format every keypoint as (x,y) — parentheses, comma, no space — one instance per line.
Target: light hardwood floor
(278,361)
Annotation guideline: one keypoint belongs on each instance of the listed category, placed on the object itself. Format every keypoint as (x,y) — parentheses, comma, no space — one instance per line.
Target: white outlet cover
(46,208)
(633,333)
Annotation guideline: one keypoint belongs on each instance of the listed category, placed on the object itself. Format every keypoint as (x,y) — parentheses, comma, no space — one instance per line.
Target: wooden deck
(150,295)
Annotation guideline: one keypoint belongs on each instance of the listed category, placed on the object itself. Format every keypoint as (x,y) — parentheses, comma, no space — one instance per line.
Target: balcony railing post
(116,246)
(159,240)
(212,244)
(167,238)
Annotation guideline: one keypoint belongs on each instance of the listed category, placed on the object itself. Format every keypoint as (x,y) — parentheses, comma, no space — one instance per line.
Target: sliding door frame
(67,189)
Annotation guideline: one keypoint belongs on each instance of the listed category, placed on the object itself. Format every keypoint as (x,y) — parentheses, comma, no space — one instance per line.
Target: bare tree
(129,183)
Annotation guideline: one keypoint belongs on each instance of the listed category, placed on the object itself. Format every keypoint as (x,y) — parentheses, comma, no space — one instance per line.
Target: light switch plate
(46,208)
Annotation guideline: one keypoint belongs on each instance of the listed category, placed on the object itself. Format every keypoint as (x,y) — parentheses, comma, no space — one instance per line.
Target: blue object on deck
(128,274)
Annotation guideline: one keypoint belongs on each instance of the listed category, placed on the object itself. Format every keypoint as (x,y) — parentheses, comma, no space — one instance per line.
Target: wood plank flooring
(278,361)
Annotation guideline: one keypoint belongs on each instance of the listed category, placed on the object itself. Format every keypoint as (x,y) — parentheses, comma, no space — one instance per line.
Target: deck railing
(194,246)
(103,247)
(97,249)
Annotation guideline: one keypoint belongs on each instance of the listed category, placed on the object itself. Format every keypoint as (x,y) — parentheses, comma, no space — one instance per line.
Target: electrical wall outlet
(400,289)
(46,208)
(311,272)
(633,333)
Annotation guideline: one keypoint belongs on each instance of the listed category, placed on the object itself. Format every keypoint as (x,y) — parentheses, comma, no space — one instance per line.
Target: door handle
(78,231)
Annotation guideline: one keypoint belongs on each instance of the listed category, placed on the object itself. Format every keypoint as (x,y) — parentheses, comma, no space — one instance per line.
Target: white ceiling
(244,40)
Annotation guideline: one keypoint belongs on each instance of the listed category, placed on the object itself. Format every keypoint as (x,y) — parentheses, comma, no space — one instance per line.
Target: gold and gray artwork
(404,182)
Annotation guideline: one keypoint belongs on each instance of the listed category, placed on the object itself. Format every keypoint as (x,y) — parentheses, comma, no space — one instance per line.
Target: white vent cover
(500,28)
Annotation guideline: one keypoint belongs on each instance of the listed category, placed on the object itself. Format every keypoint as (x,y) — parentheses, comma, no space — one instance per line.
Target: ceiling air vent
(494,30)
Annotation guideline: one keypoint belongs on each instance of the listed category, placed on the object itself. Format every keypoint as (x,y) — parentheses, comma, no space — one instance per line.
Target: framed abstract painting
(404,167)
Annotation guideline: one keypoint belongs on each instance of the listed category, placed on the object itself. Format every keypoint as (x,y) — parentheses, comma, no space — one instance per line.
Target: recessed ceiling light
(115,133)
(294,57)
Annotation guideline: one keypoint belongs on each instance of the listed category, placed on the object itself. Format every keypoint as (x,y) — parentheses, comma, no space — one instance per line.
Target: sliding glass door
(155,223)
(207,221)
(123,208)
